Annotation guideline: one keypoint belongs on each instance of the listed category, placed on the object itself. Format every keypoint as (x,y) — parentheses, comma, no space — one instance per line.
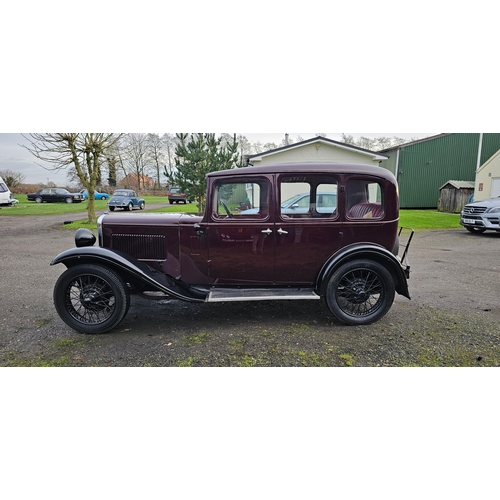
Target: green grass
(428,219)
(25,207)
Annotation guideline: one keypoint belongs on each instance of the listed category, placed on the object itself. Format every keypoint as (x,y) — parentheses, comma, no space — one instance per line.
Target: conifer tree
(195,156)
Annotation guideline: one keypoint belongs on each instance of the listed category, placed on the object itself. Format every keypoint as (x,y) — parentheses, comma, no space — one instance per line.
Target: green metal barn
(423,166)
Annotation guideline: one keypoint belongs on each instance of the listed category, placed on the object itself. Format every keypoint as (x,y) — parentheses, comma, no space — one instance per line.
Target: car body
(480,216)
(127,199)
(97,195)
(54,195)
(6,197)
(344,254)
(175,195)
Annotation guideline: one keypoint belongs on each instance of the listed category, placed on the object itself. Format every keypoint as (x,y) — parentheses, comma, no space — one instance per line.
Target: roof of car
(336,168)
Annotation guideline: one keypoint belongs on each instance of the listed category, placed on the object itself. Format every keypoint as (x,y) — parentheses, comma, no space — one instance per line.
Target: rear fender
(129,268)
(365,251)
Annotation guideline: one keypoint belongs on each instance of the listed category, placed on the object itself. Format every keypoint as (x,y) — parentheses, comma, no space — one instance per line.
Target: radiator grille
(474,210)
(140,246)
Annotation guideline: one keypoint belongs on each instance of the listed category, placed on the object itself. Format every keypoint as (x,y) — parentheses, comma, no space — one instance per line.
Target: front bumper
(483,221)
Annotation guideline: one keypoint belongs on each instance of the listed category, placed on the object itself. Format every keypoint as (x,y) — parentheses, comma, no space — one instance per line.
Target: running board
(242,294)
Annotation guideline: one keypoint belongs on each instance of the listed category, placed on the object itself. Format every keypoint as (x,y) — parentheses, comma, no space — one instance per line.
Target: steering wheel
(228,212)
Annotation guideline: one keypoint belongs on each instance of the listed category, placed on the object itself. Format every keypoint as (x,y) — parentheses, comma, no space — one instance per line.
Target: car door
(51,195)
(240,232)
(306,238)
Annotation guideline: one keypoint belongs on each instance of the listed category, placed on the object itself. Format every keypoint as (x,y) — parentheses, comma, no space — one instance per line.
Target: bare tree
(11,178)
(84,152)
(135,156)
(156,155)
(170,141)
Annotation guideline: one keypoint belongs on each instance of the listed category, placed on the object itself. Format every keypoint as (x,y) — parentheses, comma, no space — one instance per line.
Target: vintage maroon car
(340,245)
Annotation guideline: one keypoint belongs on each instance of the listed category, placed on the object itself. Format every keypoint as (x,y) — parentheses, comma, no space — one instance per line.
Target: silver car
(480,216)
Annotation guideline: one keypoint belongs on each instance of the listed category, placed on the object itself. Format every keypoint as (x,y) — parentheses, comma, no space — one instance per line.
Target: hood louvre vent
(143,247)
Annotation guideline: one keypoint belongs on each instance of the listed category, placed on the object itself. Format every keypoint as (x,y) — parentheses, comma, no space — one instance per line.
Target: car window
(364,199)
(3,188)
(308,196)
(249,200)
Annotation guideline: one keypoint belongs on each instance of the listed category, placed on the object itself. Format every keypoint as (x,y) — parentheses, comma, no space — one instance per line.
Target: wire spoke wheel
(91,298)
(360,292)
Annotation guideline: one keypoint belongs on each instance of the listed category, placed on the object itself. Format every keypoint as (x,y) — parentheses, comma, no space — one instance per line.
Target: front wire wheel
(360,292)
(91,298)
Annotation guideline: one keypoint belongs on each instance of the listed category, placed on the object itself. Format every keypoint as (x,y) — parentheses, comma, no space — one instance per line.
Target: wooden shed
(453,195)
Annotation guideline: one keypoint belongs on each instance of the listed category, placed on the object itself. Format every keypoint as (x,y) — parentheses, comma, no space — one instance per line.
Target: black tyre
(142,205)
(129,207)
(360,292)
(112,209)
(103,197)
(171,202)
(91,298)
(38,199)
(476,230)
(68,200)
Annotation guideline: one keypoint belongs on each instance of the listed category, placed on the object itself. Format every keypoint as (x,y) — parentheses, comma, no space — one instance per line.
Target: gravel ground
(452,319)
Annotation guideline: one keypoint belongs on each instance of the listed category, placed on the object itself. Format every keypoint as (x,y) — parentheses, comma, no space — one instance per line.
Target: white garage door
(495,187)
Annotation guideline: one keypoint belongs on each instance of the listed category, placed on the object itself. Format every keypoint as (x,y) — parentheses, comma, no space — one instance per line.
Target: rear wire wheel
(91,298)
(360,292)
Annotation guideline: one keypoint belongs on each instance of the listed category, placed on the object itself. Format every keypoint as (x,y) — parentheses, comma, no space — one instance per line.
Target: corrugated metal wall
(425,166)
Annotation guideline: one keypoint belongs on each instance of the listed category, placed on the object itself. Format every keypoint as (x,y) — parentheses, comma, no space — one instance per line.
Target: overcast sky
(14,157)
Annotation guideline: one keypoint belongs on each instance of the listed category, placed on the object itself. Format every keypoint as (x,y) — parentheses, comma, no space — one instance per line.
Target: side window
(308,197)
(241,200)
(364,199)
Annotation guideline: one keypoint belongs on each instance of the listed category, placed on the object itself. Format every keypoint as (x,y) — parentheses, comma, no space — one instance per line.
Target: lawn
(428,219)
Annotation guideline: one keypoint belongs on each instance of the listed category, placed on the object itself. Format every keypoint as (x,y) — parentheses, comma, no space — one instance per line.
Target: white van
(6,197)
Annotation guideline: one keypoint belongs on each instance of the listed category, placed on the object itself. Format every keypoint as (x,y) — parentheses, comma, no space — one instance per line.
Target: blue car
(97,195)
(126,199)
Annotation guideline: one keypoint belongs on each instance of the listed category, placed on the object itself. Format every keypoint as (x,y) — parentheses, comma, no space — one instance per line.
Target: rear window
(364,199)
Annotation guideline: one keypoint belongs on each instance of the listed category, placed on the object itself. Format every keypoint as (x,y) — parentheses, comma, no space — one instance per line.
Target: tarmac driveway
(452,319)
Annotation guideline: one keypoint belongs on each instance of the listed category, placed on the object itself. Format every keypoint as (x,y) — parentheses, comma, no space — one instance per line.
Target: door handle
(266,231)
(281,231)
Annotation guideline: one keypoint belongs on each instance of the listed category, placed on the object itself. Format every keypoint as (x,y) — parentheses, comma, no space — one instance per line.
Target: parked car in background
(480,216)
(126,199)
(342,253)
(6,197)
(175,195)
(55,194)
(97,195)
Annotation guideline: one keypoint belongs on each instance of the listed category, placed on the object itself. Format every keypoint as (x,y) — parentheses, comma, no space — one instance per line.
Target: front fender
(365,251)
(127,267)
